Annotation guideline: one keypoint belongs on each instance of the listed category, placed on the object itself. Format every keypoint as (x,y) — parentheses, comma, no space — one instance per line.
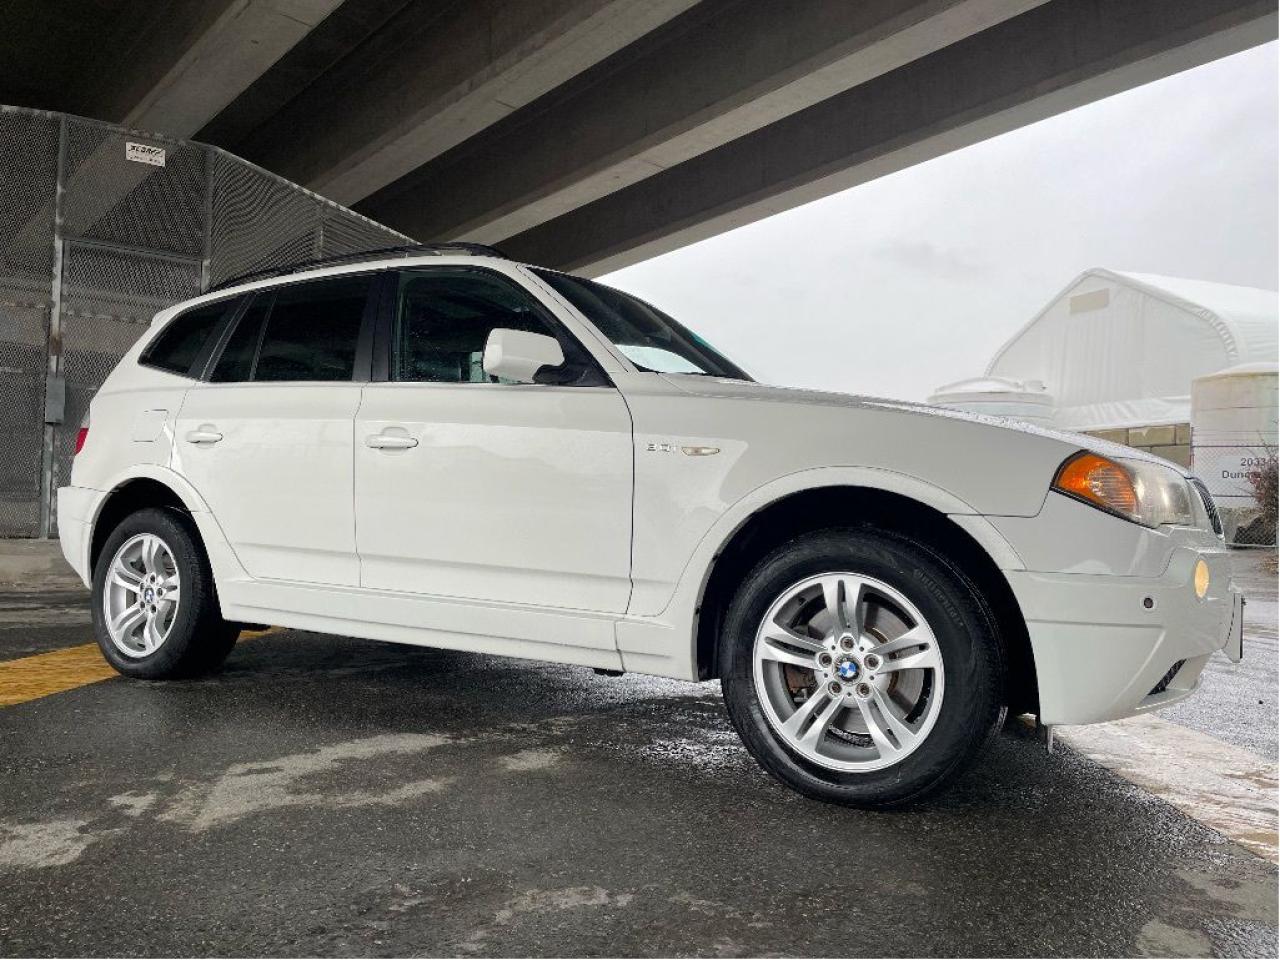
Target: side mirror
(517,355)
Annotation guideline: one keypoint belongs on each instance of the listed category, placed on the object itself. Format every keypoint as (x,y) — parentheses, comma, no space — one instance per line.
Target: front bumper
(1108,647)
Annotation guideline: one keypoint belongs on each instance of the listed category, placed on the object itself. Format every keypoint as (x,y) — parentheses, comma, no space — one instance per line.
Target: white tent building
(1115,353)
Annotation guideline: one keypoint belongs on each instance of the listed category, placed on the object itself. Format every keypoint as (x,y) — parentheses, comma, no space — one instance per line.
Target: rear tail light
(82,434)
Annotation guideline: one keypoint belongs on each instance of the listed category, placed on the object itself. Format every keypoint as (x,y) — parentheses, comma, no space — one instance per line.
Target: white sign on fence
(144,153)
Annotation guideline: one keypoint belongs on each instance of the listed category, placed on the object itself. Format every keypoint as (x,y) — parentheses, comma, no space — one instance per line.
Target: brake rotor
(903,688)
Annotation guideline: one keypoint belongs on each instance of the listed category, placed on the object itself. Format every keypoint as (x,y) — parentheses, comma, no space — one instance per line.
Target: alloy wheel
(141,595)
(848,671)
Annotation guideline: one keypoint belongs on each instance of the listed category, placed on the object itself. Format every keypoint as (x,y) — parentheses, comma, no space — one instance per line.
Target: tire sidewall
(175,655)
(972,663)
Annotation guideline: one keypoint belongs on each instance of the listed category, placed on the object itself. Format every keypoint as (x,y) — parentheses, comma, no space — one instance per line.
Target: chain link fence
(101,227)
(1226,468)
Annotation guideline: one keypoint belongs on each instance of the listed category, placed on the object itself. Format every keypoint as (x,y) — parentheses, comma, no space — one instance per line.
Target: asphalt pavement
(326,796)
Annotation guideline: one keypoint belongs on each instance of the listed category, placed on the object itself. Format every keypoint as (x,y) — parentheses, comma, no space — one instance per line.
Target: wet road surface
(325,797)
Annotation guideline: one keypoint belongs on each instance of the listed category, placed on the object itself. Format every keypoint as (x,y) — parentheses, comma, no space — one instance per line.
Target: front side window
(179,344)
(645,335)
(444,318)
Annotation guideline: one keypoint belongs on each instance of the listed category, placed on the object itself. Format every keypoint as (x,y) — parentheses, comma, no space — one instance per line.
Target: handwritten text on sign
(144,153)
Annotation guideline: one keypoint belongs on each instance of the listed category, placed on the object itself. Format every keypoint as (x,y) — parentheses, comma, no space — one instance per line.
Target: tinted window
(312,330)
(182,339)
(236,362)
(444,318)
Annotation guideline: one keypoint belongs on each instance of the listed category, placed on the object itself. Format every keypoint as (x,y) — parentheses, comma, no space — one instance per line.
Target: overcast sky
(902,284)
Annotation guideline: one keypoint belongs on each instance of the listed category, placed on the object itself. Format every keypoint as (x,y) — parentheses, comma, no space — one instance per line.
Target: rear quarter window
(179,344)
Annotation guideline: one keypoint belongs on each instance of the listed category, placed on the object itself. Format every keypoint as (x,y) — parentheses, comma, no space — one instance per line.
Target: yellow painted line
(44,674)
(30,678)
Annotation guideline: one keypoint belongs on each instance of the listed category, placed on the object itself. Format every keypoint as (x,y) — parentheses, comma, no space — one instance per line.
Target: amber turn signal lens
(1100,481)
(1202,579)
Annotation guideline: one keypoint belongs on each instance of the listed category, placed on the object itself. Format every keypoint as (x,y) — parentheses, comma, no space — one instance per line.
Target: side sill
(428,637)
(508,630)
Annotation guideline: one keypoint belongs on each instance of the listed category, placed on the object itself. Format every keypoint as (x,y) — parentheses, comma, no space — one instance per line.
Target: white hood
(744,390)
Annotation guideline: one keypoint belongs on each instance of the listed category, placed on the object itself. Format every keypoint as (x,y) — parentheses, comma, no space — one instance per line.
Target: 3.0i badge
(694,451)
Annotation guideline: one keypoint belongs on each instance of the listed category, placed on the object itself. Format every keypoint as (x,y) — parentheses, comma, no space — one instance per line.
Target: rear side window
(312,330)
(180,342)
(302,332)
(236,362)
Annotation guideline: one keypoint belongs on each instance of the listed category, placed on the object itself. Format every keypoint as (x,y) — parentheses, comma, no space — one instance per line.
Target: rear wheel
(861,668)
(155,608)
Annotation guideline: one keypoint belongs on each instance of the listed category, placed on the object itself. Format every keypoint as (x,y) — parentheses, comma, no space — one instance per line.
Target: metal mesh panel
(28,185)
(116,200)
(258,221)
(349,233)
(136,237)
(108,299)
(122,285)
(23,363)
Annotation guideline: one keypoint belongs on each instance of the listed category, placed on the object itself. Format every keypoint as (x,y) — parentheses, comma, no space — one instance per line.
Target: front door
(487,491)
(267,439)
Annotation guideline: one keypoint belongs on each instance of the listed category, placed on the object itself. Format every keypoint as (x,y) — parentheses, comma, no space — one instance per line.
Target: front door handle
(204,435)
(390,441)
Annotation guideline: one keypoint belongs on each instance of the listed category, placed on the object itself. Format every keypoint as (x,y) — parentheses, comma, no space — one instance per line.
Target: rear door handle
(390,441)
(203,435)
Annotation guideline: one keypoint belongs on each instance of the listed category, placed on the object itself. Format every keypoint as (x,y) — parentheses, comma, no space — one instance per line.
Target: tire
(958,689)
(193,637)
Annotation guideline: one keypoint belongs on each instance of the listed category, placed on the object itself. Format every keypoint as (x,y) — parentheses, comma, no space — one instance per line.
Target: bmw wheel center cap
(847,669)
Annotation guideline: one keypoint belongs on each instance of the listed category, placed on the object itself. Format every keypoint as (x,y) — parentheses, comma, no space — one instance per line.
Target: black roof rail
(402,250)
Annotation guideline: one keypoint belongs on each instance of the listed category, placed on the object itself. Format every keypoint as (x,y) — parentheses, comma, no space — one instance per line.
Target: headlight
(1145,493)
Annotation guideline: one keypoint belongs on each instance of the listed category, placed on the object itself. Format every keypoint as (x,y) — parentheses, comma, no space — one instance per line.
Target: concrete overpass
(590,134)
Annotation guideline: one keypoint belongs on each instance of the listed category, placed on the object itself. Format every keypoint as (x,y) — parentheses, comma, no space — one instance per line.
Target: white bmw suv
(440,446)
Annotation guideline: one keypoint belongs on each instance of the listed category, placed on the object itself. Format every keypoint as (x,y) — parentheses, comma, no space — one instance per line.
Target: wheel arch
(143,487)
(967,540)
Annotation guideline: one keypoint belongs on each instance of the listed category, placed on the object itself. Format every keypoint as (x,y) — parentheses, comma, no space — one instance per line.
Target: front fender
(669,636)
(698,568)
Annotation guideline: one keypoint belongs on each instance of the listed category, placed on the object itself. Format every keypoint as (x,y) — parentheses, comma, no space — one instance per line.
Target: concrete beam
(328,44)
(436,75)
(237,48)
(1049,60)
(210,62)
(192,61)
(731,68)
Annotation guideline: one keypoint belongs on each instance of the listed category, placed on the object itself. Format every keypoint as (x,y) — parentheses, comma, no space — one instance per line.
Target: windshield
(644,334)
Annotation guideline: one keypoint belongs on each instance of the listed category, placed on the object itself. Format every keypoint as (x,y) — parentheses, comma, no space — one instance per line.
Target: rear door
(489,491)
(266,439)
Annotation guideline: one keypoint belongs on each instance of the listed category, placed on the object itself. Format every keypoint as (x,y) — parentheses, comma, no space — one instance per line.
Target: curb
(35,563)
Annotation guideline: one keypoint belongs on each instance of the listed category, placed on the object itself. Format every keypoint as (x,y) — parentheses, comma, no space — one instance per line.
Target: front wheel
(861,668)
